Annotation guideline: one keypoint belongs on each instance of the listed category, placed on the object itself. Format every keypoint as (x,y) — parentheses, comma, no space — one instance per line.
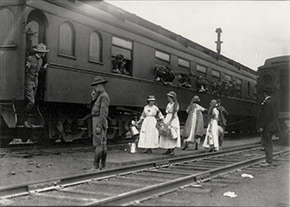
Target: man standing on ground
(268,124)
(100,111)
(222,122)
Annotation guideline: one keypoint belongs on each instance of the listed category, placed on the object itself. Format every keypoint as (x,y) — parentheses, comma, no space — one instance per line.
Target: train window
(239,87)
(95,47)
(201,70)
(228,77)
(122,43)
(7,24)
(162,56)
(67,39)
(122,56)
(215,76)
(249,90)
(183,63)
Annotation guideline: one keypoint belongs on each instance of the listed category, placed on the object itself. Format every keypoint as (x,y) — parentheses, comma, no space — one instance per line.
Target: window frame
(73,42)
(183,60)
(100,48)
(199,72)
(13,39)
(160,58)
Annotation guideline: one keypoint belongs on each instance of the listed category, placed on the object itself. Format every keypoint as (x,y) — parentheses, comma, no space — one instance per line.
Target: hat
(30,32)
(151,98)
(98,80)
(195,99)
(41,48)
(172,94)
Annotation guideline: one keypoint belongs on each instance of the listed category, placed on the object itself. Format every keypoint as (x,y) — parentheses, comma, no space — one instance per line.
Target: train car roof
(113,14)
(279,61)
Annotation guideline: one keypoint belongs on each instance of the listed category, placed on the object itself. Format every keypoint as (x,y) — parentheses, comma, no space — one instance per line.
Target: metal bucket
(132,147)
(134,131)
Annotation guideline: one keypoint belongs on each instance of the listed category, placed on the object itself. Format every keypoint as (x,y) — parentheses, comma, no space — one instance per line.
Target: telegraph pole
(218,42)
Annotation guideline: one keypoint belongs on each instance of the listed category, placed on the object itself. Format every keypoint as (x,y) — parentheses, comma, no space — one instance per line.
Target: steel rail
(39,186)
(166,187)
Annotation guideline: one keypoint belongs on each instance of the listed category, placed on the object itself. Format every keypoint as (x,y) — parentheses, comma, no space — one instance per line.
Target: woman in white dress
(211,140)
(172,140)
(194,126)
(149,135)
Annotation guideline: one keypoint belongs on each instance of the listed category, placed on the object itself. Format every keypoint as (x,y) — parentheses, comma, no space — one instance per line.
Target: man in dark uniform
(33,65)
(268,124)
(100,111)
(222,121)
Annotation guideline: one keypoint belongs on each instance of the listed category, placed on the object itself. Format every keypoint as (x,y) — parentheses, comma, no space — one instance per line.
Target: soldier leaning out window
(119,65)
(202,84)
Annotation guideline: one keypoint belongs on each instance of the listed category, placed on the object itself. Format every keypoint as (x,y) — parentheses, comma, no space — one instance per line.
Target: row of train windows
(119,46)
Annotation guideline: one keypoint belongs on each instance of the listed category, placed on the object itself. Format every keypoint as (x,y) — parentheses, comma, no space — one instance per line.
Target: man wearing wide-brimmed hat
(100,112)
(33,66)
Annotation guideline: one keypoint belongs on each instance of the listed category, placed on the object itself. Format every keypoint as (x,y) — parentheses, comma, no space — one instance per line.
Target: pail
(132,147)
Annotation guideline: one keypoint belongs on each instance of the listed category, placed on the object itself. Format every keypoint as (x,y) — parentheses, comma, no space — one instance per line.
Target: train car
(274,74)
(84,38)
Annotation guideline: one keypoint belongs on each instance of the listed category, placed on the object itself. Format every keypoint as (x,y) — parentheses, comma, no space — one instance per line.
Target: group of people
(152,137)
(222,88)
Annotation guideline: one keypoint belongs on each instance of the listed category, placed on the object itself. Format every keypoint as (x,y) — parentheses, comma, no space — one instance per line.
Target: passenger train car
(83,38)
(274,74)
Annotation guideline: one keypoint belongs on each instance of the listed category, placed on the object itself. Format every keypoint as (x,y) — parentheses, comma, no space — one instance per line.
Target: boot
(103,159)
(167,152)
(149,151)
(185,146)
(171,152)
(196,146)
(97,159)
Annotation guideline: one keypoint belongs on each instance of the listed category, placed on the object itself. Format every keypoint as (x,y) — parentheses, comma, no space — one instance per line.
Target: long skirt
(149,134)
(169,142)
(195,127)
(212,135)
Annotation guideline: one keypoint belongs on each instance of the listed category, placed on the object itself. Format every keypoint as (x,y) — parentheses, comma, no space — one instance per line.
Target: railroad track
(133,184)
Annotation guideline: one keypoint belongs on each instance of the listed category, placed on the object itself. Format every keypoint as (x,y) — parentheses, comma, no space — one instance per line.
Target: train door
(37,22)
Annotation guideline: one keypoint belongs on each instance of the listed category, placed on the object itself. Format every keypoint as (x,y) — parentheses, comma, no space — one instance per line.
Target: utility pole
(218,42)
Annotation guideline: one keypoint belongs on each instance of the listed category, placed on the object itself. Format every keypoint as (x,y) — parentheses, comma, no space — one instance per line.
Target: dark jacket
(222,116)
(268,117)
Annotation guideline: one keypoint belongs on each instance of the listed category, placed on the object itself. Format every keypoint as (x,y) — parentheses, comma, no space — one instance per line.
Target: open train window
(183,63)
(67,40)
(201,70)
(122,56)
(162,56)
(7,31)
(215,76)
(95,47)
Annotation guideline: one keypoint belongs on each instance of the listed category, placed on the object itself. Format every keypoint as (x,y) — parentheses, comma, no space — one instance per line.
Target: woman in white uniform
(149,135)
(171,140)
(211,140)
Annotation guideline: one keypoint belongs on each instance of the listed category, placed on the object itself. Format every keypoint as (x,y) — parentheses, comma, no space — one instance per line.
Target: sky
(252,31)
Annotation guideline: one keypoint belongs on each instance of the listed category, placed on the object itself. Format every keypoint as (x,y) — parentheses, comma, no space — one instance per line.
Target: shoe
(171,153)
(196,146)
(167,152)
(185,146)
(149,151)
(27,124)
(262,149)
(266,164)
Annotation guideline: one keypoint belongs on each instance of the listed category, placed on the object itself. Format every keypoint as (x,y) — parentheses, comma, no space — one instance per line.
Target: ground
(270,188)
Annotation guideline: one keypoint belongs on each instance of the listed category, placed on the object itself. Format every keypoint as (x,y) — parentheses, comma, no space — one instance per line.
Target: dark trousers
(268,145)
(100,156)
